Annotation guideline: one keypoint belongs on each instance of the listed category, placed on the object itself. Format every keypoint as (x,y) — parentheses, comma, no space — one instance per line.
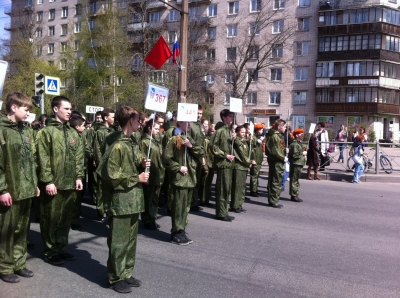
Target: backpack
(358,155)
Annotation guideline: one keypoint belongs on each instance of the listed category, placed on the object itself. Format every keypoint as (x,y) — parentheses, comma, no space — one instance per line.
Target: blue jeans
(341,148)
(285,176)
(358,170)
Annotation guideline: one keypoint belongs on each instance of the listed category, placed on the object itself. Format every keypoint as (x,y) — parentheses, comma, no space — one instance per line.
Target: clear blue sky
(4,19)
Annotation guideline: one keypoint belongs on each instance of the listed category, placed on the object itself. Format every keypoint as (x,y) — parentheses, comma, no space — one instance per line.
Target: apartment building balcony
(359,55)
(179,2)
(156,4)
(370,28)
(348,108)
(137,26)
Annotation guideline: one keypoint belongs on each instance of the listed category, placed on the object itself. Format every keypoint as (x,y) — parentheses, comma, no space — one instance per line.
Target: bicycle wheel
(386,164)
(350,164)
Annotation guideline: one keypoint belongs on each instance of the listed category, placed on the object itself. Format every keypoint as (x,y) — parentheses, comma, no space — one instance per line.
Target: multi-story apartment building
(358,65)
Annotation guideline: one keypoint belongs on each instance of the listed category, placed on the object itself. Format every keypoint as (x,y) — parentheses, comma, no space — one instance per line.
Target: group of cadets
(131,161)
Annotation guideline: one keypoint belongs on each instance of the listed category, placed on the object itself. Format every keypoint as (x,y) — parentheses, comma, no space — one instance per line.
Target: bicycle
(369,162)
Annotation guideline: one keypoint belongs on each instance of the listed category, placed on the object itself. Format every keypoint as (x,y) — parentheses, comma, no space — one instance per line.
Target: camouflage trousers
(76,212)
(223,191)
(14,227)
(205,188)
(275,175)
(196,189)
(55,220)
(238,188)
(180,207)
(254,174)
(295,172)
(151,196)
(122,241)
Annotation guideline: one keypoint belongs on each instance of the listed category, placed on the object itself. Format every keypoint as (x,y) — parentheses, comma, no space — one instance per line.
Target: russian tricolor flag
(175,51)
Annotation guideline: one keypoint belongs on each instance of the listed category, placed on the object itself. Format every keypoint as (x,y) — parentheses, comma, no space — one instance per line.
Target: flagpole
(185,145)
(147,170)
(182,74)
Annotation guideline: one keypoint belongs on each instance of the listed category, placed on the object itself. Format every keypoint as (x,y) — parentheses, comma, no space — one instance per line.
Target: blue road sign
(52,85)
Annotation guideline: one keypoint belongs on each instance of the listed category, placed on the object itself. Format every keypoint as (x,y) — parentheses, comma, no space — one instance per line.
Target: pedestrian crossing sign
(52,85)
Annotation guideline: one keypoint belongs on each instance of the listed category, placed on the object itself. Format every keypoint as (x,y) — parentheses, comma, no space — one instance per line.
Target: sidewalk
(339,172)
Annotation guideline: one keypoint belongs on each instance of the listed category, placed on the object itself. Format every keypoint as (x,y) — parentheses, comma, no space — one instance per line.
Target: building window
(304,2)
(279,4)
(229,77)
(52,14)
(301,48)
(173,15)
(255,5)
(212,32)
(93,8)
(251,98)
(51,31)
(303,24)
(232,30)
(172,35)
(254,52)
(63,47)
(213,10)
(157,76)
(210,78)
(77,27)
(38,50)
(300,97)
(231,54)
(39,16)
(78,9)
(38,32)
(210,98)
(277,51)
(210,54)
(64,29)
(233,8)
(64,12)
(276,74)
(50,48)
(274,98)
(254,28)
(77,44)
(63,83)
(39,1)
(252,75)
(227,98)
(91,25)
(63,64)
(137,63)
(278,26)
(50,1)
(353,42)
(154,17)
(301,74)
(194,14)
(119,81)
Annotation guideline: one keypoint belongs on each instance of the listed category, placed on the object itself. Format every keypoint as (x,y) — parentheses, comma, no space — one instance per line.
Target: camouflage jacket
(157,170)
(174,158)
(257,152)
(17,160)
(209,155)
(296,156)
(275,146)
(120,176)
(61,156)
(241,152)
(89,140)
(98,139)
(197,136)
(221,146)
(168,134)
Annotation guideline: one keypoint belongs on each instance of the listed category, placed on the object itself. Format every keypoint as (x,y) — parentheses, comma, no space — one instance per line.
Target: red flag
(158,54)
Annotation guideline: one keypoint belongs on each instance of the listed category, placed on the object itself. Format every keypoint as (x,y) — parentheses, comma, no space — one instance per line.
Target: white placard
(312,128)
(235,105)
(251,127)
(31,117)
(93,109)
(187,112)
(3,70)
(156,98)
(52,85)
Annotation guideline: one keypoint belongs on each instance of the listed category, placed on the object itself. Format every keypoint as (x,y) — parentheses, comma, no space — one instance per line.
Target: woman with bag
(358,158)
(341,136)
(312,156)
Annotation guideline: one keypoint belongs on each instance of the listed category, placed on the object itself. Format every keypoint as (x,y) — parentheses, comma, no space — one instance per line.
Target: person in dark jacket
(312,156)
(18,186)
(297,160)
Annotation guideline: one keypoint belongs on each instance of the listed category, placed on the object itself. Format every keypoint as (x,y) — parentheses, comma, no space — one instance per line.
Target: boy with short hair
(122,185)
(61,161)
(18,185)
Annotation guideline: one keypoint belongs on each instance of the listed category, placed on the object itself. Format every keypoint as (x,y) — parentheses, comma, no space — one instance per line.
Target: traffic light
(36,101)
(39,84)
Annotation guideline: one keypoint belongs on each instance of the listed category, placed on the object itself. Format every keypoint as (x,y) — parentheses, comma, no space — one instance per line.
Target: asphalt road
(342,241)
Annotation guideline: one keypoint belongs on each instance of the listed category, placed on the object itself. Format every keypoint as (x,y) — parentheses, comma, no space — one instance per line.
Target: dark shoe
(283,188)
(75,227)
(246,199)
(133,282)
(11,278)
(231,217)
(195,209)
(104,220)
(54,260)
(177,238)
(157,225)
(243,210)
(296,199)
(67,256)
(169,212)
(209,205)
(185,236)
(121,287)
(321,169)
(150,226)
(226,218)
(278,206)
(30,245)
(238,210)
(254,194)
(24,273)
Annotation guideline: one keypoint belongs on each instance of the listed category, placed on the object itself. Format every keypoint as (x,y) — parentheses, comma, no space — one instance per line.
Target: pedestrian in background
(341,136)
(312,156)
(297,160)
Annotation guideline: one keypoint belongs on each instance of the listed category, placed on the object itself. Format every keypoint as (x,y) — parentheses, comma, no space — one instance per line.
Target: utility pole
(182,73)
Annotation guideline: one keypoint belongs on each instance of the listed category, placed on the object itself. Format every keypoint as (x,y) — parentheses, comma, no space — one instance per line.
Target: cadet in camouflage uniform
(156,179)
(297,160)
(18,185)
(205,188)
(276,154)
(103,130)
(221,146)
(122,184)
(61,164)
(257,154)
(240,169)
(182,179)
